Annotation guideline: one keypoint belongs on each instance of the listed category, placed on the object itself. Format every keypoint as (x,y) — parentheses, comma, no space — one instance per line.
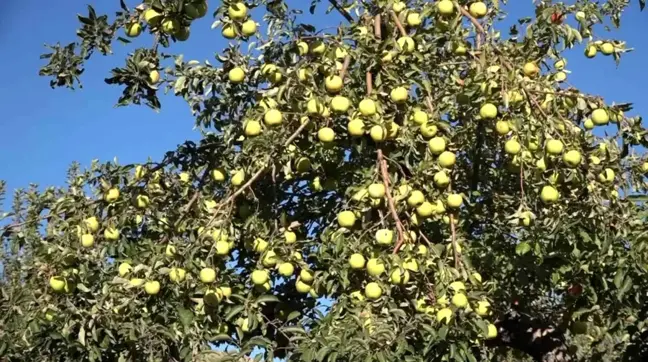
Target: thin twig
(341,10)
(522,195)
(398,24)
(369,84)
(453,233)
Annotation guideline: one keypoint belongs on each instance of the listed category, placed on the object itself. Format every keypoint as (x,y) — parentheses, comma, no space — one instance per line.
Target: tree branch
(398,24)
(341,10)
(478,26)
(382,165)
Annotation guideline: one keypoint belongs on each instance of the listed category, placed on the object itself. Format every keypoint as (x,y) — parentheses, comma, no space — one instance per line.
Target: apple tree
(413,184)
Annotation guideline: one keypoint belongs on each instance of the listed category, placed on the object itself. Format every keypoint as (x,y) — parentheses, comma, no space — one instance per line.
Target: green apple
(152,287)
(356,127)
(375,267)
(237,11)
(549,194)
(373,291)
(357,261)
(437,145)
(260,277)
(384,236)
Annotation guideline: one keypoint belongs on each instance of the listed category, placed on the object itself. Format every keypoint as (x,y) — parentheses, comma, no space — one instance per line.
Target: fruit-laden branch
(254,177)
(341,10)
(542,341)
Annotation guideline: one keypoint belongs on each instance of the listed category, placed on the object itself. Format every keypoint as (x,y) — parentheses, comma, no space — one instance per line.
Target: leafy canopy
(413,185)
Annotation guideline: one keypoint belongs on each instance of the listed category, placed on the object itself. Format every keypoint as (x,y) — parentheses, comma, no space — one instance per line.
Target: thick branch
(398,24)
(345,66)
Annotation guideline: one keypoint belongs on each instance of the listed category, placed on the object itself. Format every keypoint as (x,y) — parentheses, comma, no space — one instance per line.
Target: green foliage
(506,244)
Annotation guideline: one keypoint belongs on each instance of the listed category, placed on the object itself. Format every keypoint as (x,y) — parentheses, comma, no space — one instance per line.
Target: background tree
(412,185)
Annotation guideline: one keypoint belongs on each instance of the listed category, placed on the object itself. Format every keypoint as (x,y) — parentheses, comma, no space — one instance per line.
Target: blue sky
(43,130)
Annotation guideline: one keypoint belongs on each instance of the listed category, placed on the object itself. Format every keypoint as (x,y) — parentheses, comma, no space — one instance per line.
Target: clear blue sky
(43,130)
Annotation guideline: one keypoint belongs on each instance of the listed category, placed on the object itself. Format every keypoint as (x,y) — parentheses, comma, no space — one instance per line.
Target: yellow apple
(607,48)
(478,9)
(57,283)
(428,130)
(124,269)
(426,209)
(572,158)
(399,276)
(252,128)
(447,159)
(413,19)
(512,147)
(441,179)
(549,194)
(177,275)
(445,7)
(367,107)
(238,178)
(488,111)
(273,117)
(454,200)
(492,331)
(249,27)
(560,64)
(237,11)
(607,176)
(378,133)
(136,282)
(340,104)
(286,269)
(302,48)
(444,315)
(270,259)
(356,127)
(541,165)
(260,277)
(229,31)
(373,291)
(384,237)
(152,17)
(502,127)
(87,240)
(399,95)
(333,83)
(222,247)
(530,69)
(588,124)
(375,267)
(318,47)
(483,308)
(302,287)
(154,76)
(560,77)
(346,219)
(207,275)
(419,117)
(590,51)
(600,116)
(306,276)
(111,233)
(236,75)
(170,26)
(437,145)
(133,30)
(218,175)
(326,135)
(459,300)
(259,245)
(376,191)
(152,287)
(554,147)
(357,261)
(406,44)
(416,198)
(112,195)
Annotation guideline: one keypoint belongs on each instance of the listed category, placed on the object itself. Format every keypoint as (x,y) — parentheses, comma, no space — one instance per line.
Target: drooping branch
(480,29)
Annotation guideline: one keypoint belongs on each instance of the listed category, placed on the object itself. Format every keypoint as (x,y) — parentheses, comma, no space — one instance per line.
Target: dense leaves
(410,186)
